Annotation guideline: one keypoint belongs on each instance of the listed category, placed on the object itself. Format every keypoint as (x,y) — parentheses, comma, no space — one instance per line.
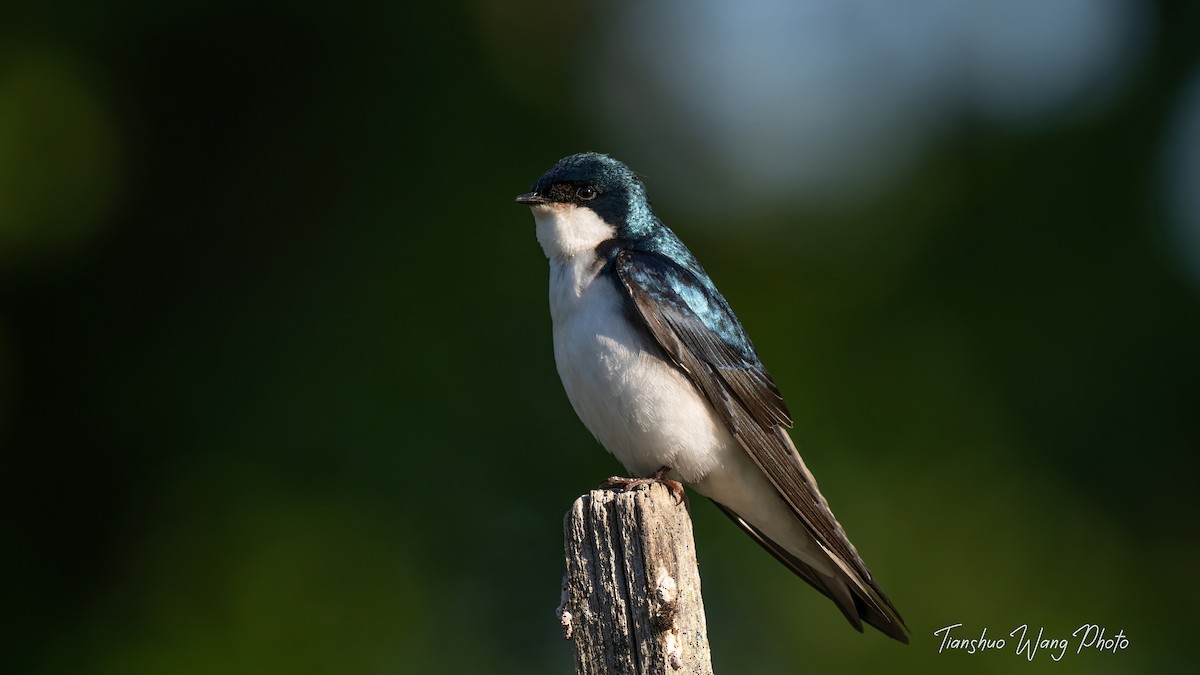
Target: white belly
(637,405)
(647,413)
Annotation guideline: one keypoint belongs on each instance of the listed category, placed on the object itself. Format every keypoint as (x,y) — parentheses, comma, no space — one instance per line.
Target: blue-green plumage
(677,276)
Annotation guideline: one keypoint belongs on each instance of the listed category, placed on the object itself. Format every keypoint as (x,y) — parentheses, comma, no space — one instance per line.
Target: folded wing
(697,330)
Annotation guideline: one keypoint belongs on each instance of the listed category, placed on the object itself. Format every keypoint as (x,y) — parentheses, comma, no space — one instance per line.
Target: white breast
(639,406)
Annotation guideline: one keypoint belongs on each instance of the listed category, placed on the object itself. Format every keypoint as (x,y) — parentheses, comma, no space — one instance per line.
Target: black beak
(532,199)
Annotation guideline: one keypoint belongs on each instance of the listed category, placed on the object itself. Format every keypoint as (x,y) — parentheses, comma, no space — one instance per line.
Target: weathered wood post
(631,593)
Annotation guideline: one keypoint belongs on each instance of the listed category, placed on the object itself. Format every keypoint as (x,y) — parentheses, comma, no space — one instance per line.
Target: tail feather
(854,603)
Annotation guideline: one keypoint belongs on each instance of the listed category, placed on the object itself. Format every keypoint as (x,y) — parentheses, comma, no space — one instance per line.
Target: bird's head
(586,200)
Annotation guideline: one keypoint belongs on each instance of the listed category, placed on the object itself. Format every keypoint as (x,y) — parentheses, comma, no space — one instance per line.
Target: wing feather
(699,333)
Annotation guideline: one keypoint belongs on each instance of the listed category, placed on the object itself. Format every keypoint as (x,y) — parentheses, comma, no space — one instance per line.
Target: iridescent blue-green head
(600,184)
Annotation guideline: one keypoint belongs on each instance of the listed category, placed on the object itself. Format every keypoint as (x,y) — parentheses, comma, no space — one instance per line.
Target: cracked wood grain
(631,598)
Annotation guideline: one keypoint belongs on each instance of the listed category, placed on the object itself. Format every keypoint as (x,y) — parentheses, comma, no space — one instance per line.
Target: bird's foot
(660,476)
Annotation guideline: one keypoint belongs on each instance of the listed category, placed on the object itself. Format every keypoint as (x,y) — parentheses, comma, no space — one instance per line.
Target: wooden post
(631,593)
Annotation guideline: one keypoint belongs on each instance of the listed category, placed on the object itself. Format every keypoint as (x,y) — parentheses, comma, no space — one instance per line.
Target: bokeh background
(276,383)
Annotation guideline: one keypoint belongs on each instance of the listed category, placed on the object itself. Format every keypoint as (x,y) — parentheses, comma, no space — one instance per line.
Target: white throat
(566,230)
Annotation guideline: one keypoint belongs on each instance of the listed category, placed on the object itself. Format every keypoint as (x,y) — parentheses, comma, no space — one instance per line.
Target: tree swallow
(661,372)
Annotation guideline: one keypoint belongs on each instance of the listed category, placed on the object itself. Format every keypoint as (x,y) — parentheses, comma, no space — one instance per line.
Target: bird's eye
(586,192)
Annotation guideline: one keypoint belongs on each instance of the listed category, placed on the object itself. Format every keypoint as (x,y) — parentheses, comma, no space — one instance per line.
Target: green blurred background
(276,383)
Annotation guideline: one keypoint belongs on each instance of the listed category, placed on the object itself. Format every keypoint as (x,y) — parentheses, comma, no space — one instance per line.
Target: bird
(660,371)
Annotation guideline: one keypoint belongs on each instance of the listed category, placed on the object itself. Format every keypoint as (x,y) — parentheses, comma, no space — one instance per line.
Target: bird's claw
(626,484)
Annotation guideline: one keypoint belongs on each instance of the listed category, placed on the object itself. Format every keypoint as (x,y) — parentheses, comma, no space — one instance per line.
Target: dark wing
(695,327)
